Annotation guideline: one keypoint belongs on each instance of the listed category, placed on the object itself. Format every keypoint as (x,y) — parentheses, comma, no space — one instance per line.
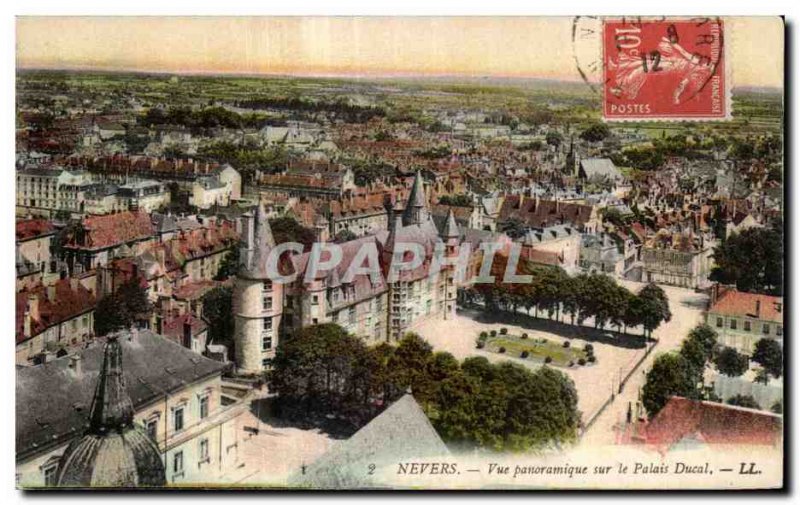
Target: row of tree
(582,297)
(681,373)
(323,372)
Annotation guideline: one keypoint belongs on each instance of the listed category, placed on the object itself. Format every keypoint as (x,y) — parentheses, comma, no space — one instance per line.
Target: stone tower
(257,301)
(451,238)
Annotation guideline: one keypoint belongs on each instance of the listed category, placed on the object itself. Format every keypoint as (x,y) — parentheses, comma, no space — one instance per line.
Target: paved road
(686,306)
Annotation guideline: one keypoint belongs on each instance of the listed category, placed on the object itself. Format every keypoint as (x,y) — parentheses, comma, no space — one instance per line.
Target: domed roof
(127,458)
(114,452)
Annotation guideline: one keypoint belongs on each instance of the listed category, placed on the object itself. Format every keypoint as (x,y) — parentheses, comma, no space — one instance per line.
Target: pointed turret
(450,229)
(416,211)
(111,407)
(257,244)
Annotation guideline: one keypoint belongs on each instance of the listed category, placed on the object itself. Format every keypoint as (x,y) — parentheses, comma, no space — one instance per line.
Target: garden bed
(537,349)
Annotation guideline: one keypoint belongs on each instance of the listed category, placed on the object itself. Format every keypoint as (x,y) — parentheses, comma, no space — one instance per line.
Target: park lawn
(537,350)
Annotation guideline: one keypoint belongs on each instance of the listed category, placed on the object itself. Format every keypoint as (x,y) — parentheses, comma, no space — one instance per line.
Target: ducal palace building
(366,305)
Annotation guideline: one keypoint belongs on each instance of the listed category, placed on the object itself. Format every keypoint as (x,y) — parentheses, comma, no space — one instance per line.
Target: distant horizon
(344,77)
(354,47)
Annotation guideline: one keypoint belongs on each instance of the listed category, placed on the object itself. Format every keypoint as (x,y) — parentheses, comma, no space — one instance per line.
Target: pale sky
(497,46)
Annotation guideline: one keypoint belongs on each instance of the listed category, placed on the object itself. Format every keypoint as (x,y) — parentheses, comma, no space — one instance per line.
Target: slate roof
(53,401)
(600,167)
(401,432)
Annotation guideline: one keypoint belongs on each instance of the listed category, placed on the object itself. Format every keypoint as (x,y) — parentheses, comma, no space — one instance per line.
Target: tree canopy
(121,309)
(769,354)
(752,259)
(731,362)
(323,371)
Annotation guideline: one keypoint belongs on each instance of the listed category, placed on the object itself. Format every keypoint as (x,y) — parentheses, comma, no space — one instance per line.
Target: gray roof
(402,432)
(600,167)
(53,402)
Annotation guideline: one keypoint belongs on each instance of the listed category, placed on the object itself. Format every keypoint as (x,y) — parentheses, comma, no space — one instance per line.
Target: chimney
(51,293)
(187,333)
(76,365)
(33,306)
(758,309)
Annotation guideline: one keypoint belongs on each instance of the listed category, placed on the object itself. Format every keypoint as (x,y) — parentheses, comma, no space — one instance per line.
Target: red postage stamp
(665,69)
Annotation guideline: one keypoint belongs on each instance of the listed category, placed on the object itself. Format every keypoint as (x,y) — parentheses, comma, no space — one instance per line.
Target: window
(204,451)
(778,330)
(314,300)
(203,407)
(719,322)
(733,324)
(351,315)
(268,324)
(765,329)
(267,286)
(152,428)
(266,342)
(177,419)
(267,303)
(177,463)
(266,363)
(747,326)
(50,474)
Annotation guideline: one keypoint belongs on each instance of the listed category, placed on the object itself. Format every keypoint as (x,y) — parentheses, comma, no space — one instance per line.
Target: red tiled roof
(65,305)
(713,423)
(32,228)
(543,213)
(172,328)
(195,290)
(110,230)
(738,304)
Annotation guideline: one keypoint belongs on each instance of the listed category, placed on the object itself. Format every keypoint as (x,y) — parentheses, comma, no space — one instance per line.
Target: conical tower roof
(256,253)
(416,208)
(450,229)
(111,405)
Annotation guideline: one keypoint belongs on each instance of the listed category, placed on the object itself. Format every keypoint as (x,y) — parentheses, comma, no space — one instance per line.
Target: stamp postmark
(665,69)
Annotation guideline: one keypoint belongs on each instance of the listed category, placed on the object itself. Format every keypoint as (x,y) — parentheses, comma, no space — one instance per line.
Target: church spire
(111,407)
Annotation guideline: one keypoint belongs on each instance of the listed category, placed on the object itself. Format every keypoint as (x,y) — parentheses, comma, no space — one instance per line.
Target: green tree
(513,227)
(752,259)
(344,235)
(229,265)
(123,308)
(217,309)
(671,375)
(654,307)
(322,370)
(731,362)
(596,132)
(287,229)
(769,354)
(554,138)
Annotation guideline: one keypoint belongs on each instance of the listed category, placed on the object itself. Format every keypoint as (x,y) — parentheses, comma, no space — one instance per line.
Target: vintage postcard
(400,253)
